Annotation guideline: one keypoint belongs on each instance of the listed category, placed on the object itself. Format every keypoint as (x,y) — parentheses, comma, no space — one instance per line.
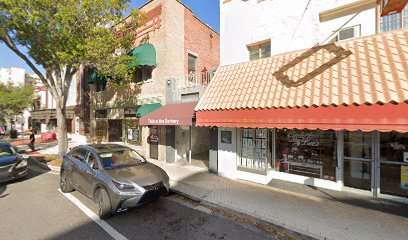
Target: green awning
(145,54)
(146,109)
(94,76)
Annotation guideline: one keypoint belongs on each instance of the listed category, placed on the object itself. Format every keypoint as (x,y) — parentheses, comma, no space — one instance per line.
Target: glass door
(358,160)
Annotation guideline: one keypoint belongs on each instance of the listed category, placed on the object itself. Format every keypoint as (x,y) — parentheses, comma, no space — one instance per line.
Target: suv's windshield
(120,158)
(6,151)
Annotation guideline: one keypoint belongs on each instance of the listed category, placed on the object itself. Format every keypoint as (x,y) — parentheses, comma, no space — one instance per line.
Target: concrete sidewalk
(307,214)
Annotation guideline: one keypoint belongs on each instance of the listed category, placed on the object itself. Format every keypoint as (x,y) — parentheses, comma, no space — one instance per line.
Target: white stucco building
(265,62)
(15,75)
(280,26)
(44,117)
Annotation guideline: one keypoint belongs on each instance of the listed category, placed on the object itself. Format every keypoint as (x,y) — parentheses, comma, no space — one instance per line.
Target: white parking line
(104,225)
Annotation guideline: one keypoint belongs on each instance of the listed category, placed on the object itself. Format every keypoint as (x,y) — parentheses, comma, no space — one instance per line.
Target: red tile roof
(368,70)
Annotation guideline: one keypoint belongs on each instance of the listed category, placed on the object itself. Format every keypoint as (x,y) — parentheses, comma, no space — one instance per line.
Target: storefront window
(133,131)
(394,164)
(254,148)
(101,113)
(306,153)
(101,130)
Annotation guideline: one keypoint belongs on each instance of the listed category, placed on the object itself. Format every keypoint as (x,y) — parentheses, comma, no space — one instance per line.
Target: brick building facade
(172,32)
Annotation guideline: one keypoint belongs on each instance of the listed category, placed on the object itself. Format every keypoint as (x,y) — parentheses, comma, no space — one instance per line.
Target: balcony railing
(199,78)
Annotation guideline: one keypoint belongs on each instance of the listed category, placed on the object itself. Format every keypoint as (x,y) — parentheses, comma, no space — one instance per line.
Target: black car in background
(12,164)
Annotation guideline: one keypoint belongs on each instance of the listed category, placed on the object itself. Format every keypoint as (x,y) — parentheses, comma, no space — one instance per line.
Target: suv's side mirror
(94,166)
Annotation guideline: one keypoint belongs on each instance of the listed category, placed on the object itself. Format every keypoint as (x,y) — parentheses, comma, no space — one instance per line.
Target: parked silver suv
(114,176)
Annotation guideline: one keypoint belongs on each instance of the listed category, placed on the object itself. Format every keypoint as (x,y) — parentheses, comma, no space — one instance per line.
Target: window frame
(402,19)
(259,47)
(142,74)
(188,63)
(357,33)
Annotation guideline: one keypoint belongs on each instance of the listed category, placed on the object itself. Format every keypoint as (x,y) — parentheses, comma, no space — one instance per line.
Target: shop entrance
(358,159)
(154,142)
(193,142)
(115,130)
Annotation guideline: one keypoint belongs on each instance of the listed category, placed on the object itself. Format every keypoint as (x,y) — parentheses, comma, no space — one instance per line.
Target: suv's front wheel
(104,205)
(65,186)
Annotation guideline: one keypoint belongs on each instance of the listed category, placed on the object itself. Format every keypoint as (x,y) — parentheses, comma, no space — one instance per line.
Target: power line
(300,20)
(338,29)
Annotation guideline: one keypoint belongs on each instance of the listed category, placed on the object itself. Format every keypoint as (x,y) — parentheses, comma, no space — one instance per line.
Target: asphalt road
(34,209)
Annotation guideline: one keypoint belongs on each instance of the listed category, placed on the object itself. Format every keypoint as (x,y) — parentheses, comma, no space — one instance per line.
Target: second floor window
(192,61)
(101,85)
(259,51)
(348,33)
(142,73)
(394,21)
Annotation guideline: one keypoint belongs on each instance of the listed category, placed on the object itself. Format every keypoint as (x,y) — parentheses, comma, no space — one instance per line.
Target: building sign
(226,137)
(154,135)
(310,139)
(164,121)
(130,112)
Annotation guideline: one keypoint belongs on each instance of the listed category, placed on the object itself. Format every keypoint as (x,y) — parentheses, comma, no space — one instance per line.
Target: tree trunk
(62,132)
(8,124)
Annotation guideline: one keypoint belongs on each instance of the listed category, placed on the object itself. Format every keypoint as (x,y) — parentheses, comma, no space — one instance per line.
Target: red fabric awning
(393,6)
(388,117)
(176,114)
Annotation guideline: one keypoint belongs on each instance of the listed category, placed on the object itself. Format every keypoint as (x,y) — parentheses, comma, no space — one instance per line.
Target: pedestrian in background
(32,141)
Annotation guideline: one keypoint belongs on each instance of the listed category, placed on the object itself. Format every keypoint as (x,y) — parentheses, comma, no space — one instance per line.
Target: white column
(189,146)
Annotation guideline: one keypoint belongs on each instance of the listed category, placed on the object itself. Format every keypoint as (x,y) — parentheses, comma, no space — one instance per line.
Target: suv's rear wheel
(104,205)
(65,186)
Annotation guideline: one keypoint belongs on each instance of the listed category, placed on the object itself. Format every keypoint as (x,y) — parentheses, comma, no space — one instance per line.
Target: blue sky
(207,10)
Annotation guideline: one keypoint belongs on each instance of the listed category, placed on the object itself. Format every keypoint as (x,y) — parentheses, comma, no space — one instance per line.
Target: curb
(298,234)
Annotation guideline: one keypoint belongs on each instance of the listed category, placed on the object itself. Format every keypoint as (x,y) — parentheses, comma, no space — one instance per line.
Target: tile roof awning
(388,117)
(176,114)
(365,71)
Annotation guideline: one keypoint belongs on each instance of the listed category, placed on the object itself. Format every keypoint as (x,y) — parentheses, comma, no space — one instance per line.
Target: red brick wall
(151,23)
(202,40)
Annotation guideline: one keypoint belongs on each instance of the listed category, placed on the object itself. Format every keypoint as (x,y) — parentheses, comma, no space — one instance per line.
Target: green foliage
(60,35)
(14,99)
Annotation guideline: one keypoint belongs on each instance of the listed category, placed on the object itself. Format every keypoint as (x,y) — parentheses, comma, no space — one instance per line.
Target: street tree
(13,101)
(64,35)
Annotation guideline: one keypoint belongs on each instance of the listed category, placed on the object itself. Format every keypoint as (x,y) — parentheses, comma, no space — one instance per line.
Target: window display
(133,131)
(306,153)
(393,164)
(254,147)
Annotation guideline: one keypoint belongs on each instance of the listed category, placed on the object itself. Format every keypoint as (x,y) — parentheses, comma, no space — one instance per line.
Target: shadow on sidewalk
(353,199)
